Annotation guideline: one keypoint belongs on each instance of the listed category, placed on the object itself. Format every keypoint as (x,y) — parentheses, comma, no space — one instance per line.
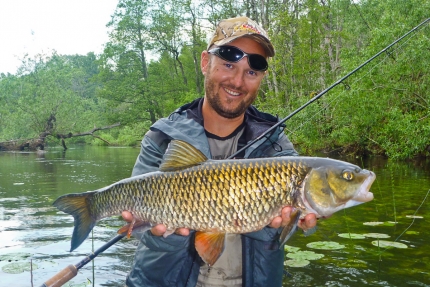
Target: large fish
(223,196)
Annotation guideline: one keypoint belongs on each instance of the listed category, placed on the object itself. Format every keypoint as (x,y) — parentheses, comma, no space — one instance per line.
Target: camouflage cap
(230,29)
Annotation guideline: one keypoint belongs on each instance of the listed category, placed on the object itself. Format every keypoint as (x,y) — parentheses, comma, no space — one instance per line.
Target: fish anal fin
(291,228)
(181,155)
(210,246)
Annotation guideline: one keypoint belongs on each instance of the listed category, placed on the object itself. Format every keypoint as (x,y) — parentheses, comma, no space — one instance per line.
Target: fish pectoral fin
(291,228)
(132,226)
(210,246)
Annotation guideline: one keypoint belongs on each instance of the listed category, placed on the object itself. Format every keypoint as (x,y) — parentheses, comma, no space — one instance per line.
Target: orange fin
(133,225)
(210,246)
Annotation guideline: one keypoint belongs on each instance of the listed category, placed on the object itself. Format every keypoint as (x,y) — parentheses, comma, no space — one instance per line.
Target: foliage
(150,66)
(51,93)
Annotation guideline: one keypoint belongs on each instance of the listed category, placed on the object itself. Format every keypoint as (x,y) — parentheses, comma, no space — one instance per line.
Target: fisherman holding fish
(218,125)
(224,222)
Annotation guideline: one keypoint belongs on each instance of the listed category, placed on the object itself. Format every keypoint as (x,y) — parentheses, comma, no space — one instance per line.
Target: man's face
(230,88)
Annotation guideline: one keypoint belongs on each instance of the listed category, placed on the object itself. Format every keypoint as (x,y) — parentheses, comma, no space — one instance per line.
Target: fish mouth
(364,195)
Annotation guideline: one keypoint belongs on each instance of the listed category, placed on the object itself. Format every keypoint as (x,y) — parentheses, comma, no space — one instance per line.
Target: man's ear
(204,63)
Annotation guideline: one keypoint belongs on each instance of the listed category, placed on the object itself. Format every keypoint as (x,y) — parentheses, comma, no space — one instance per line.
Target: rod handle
(61,277)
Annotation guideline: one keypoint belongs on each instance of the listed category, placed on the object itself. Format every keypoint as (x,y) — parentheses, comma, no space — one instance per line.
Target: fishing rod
(70,271)
(324,92)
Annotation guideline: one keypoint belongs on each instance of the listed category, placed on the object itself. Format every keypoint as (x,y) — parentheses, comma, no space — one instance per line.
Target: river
(33,231)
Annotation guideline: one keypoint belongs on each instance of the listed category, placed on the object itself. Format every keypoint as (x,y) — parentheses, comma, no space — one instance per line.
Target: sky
(41,26)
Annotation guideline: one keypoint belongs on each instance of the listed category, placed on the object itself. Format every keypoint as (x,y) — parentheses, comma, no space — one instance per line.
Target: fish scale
(222,193)
(218,197)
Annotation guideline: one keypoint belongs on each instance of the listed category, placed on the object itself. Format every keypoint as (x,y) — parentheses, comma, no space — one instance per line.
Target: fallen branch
(39,142)
(89,133)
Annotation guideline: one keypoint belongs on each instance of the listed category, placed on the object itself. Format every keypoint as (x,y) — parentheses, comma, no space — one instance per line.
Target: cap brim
(263,41)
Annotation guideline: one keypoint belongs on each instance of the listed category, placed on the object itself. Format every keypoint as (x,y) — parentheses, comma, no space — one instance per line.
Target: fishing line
(413,216)
(341,80)
(397,49)
(381,251)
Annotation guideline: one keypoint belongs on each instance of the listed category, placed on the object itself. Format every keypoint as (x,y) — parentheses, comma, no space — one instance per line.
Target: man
(218,125)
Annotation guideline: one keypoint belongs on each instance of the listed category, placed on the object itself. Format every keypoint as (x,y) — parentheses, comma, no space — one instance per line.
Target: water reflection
(30,228)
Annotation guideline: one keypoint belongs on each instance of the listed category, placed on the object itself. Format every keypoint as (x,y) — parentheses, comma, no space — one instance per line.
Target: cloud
(40,26)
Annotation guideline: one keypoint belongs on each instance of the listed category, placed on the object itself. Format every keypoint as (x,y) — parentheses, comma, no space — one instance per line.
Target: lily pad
(297,262)
(18,267)
(351,235)
(412,232)
(305,255)
(377,235)
(373,223)
(390,223)
(325,245)
(291,248)
(386,244)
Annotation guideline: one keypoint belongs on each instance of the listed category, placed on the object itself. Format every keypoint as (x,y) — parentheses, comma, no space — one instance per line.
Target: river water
(33,231)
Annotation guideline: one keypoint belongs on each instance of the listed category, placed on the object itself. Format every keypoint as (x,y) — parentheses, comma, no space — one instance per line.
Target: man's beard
(214,101)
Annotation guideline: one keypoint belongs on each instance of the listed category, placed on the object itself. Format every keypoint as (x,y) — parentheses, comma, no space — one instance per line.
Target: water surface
(31,229)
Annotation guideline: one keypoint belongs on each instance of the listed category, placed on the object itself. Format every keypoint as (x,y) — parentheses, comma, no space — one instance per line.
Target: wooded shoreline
(383,110)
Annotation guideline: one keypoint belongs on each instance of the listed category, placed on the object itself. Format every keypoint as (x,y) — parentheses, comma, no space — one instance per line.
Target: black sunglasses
(233,54)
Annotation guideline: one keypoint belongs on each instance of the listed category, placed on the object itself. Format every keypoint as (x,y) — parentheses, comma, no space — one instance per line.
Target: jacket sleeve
(287,146)
(163,261)
(282,147)
(152,149)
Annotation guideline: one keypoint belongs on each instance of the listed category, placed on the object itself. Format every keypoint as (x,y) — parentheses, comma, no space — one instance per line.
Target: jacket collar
(256,122)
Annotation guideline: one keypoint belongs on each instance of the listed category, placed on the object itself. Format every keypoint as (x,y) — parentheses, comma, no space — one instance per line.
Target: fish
(216,197)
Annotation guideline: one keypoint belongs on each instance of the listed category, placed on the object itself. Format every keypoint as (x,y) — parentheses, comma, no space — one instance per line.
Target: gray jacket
(173,261)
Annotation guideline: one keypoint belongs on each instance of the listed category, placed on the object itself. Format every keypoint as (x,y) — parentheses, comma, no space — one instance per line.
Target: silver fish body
(228,196)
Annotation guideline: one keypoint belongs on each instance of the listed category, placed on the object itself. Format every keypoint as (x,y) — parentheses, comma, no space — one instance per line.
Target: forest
(151,65)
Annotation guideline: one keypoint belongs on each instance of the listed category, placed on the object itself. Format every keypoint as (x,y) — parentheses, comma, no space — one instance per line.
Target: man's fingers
(286,213)
(309,221)
(158,230)
(276,222)
(182,231)
(127,216)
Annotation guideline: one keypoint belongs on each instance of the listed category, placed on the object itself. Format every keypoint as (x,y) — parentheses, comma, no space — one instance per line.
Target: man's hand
(159,229)
(309,221)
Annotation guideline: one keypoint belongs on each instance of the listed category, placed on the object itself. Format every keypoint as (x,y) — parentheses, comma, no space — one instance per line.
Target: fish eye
(348,175)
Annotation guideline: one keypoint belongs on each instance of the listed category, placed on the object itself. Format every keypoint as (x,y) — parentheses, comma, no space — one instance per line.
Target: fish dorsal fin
(210,246)
(180,155)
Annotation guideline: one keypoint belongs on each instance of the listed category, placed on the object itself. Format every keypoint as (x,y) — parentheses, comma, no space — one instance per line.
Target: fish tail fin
(78,206)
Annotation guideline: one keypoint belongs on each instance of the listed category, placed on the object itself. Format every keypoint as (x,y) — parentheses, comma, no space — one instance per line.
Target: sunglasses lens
(233,54)
(230,54)
(257,62)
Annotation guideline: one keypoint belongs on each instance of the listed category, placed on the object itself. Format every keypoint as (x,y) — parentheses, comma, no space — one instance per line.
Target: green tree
(50,94)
